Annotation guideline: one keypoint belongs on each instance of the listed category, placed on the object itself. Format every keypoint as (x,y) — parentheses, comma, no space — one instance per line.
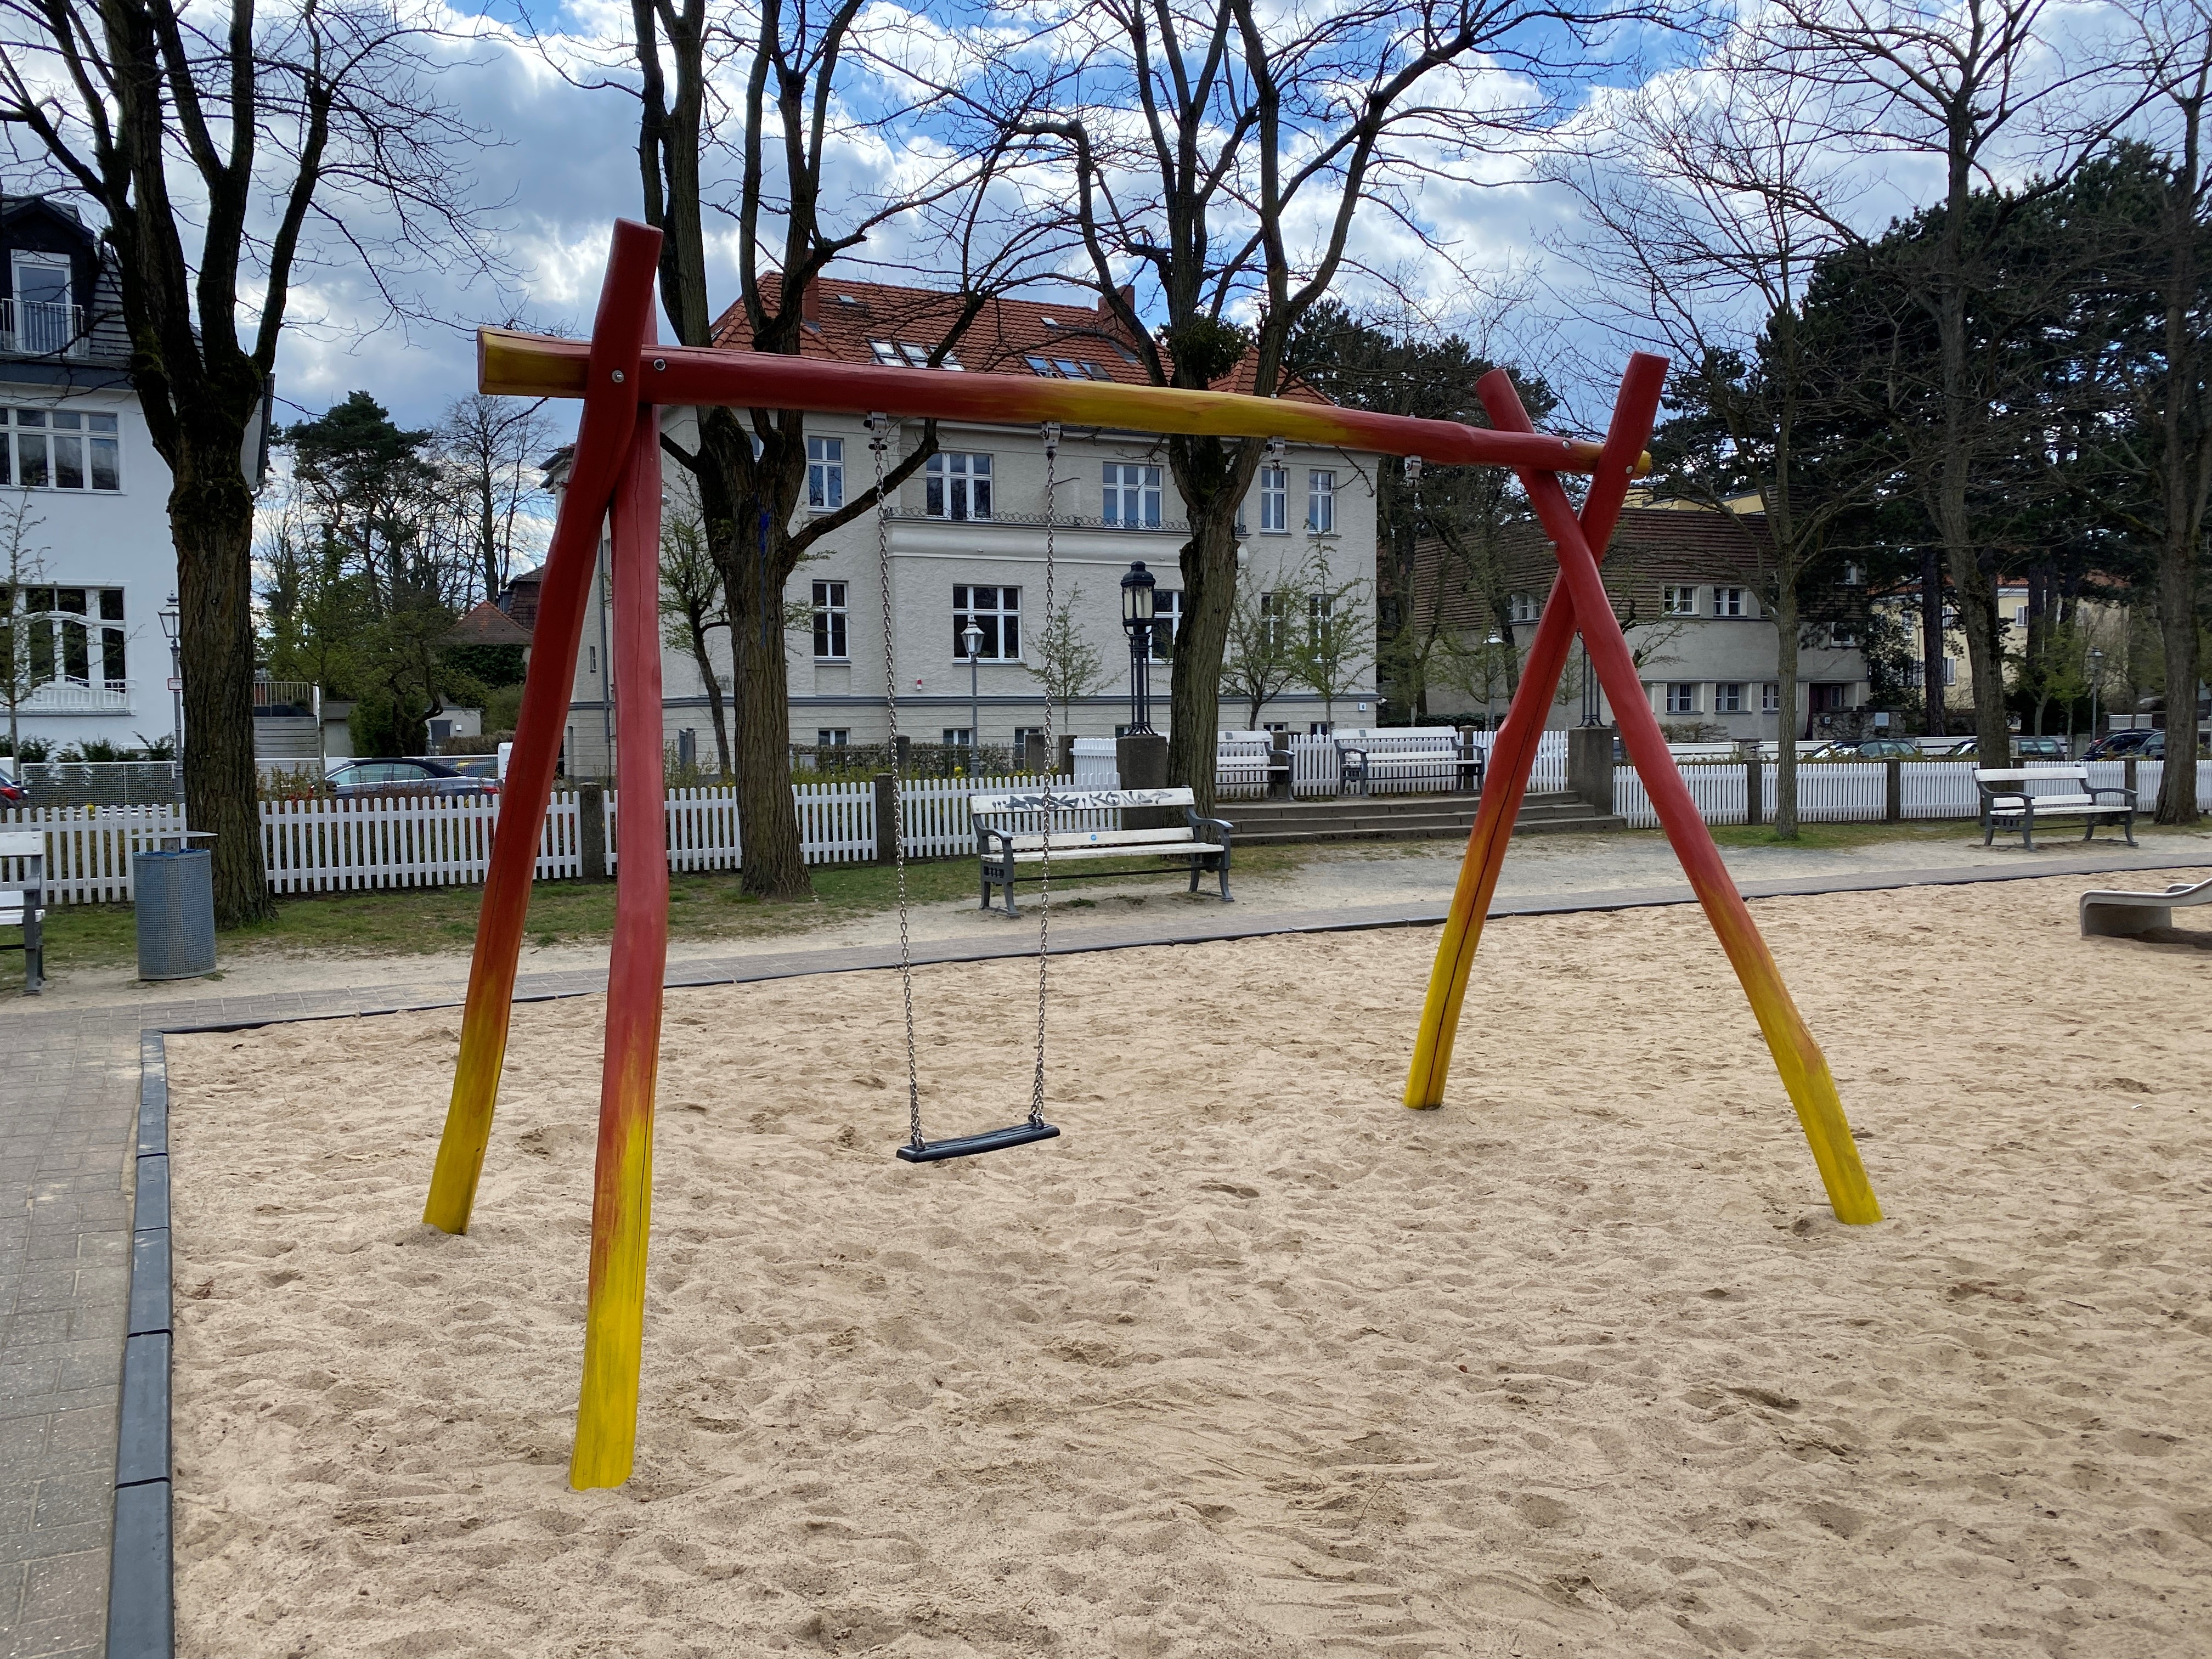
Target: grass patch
(1829,837)
(442,920)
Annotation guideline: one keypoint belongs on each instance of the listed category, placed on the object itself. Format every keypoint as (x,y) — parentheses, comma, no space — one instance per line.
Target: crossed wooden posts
(623,378)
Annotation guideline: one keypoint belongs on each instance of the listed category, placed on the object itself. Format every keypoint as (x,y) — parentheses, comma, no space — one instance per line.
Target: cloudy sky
(557,163)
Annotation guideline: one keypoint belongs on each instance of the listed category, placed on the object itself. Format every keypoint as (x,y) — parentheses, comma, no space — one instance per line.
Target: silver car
(403,776)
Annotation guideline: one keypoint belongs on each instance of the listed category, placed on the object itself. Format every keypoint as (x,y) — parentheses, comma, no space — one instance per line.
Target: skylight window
(905,353)
(846,300)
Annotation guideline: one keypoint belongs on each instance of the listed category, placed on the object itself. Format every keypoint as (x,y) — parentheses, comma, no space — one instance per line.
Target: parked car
(2039,749)
(2119,746)
(1865,749)
(10,792)
(475,766)
(397,775)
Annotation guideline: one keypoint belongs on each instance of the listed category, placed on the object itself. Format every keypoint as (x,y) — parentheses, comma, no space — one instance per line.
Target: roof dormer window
(40,318)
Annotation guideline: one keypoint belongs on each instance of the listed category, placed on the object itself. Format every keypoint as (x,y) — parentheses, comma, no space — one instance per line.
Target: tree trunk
(1932,653)
(211,520)
(2176,594)
(712,682)
(1785,714)
(1209,597)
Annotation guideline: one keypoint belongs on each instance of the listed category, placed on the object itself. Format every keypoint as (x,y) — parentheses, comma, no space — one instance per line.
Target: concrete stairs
(1399,818)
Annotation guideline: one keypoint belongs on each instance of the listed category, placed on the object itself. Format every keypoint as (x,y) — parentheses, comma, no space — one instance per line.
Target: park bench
(1246,758)
(1366,753)
(22,898)
(1013,828)
(2125,915)
(2011,804)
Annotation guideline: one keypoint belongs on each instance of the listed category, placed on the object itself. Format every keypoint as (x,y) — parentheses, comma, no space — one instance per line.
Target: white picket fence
(347,846)
(1844,792)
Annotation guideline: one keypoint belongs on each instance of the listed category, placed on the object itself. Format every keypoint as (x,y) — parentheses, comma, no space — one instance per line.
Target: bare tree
(487,447)
(1975,88)
(1260,660)
(1225,151)
(1338,641)
(691,608)
(1707,212)
(23,631)
(795,146)
(2175,402)
(225,146)
(1067,666)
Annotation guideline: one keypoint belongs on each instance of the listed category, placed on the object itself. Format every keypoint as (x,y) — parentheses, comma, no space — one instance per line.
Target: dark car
(2119,746)
(2039,749)
(400,775)
(1889,748)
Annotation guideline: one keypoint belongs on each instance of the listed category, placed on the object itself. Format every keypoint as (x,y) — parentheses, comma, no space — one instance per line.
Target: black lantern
(1137,620)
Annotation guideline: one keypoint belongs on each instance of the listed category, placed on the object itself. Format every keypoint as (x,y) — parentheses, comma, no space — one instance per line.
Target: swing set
(624,379)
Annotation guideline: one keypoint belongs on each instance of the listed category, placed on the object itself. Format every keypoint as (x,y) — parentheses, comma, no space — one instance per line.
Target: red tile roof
(846,319)
(487,625)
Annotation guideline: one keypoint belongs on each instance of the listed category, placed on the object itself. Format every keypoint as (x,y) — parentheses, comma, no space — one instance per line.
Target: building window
(1029,745)
(997,612)
(1321,502)
(1728,602)
(1682,697)
(42,320)
(1132,496)
(958,486)
(833,737)
(829,644)
(1520,608)
(825,475)
(1272,612)
(1770,697)
(1679,601)
(1727,697)
(62,635)
(1167,623)
(1274,494)
(905,353)
(959,737)
(1916,673)
(60,449)
(1065,368)
(1318,607)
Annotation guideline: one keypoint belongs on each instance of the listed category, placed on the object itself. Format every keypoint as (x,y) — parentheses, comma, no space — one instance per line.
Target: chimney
(810,301)
(1128,294)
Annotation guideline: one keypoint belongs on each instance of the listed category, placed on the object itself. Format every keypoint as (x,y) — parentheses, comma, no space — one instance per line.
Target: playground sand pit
(1252,1361)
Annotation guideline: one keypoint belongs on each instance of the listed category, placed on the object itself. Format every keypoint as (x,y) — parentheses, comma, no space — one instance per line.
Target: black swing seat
(992,1140)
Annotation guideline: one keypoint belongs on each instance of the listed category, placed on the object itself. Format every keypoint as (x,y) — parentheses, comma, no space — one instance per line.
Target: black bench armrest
(2127,795)
(1226,827)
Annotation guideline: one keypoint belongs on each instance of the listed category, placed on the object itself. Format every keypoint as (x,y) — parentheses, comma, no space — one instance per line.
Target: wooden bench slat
(1076,800)
(1074,838)
(1171,849)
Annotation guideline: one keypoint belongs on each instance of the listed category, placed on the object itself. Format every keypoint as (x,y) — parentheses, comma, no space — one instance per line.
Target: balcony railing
(284,696)
(1065,521)
(40,329)
(75,697)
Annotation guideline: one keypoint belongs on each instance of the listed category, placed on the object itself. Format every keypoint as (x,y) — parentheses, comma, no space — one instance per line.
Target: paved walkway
(69,1093)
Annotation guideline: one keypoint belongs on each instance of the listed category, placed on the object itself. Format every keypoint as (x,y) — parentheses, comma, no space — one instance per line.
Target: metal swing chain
(1052,766)
(879,441)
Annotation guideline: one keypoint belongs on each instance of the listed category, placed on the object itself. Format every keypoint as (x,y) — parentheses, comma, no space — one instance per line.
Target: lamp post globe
(1137,598)
(972,637)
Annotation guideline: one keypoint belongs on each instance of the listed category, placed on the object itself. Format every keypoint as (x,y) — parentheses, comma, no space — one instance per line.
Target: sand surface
(1252,1361)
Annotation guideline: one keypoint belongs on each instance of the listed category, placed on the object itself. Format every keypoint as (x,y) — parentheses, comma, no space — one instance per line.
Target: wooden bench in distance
(1364,753)
(23,897)
(1012,830)
(2011,804)
(2126,915)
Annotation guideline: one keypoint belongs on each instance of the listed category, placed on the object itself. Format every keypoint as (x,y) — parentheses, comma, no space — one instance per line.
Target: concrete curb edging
(141,1594)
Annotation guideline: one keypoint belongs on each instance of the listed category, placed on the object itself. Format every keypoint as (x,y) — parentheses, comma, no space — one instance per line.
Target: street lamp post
(1137,619)
(972,637)
(169,620)
(2096,679)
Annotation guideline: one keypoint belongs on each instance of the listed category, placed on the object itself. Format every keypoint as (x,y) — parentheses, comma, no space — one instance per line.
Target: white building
(86,565)
(966,542)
